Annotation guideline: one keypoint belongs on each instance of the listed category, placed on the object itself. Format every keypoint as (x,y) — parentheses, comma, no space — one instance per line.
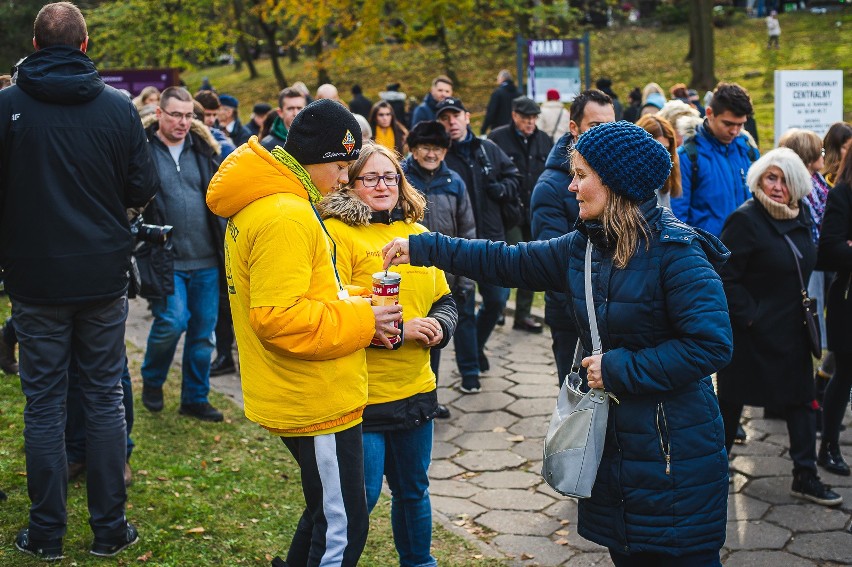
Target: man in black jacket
(499,112)
(184,295)
(492,181)
(73,158)
(527,147)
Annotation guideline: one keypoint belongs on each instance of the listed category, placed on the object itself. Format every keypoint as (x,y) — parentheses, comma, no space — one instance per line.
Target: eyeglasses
(428,149)
(391,180)
(178,115)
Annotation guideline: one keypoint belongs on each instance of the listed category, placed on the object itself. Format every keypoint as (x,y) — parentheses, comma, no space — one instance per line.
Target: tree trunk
(446,54)
(701,45)
(272,45)
(243,54)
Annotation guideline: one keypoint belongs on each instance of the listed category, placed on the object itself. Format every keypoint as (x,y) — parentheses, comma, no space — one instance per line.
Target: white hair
(676,108)
(798,179)
(366,131)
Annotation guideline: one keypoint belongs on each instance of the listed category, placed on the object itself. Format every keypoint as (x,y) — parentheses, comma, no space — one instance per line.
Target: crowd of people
(262,245)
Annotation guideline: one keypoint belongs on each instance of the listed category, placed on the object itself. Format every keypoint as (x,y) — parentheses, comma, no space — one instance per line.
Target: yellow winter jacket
(393,374)
(302,359)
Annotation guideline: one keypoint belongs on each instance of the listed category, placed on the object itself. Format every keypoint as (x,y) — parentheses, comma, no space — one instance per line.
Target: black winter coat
(528,154)
(499,110)
(836,255)
(73,157)
(156,264)
(501,172)
(360,105)
(772,363)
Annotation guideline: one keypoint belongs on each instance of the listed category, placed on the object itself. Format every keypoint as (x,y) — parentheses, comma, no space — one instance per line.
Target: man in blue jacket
(73,158)
(554,210)
(442,87)
(714,162)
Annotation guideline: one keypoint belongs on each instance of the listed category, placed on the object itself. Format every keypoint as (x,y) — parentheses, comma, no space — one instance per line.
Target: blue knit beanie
(627,159)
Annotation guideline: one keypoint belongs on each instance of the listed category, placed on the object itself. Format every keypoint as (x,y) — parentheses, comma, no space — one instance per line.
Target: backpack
(691,150)
(512,209)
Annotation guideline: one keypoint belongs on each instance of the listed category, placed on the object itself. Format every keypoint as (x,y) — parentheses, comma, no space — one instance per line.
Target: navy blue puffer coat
(663,481)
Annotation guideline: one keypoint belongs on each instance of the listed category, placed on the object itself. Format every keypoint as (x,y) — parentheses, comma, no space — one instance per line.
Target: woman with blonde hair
(150,95)
(379,204)
(662,131)
(662,486)
(769,237)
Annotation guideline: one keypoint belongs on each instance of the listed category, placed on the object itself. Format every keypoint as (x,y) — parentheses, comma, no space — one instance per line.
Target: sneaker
(470,384)
(442,412)
(203,411)
(830,459)
(152,398)
(740,436)
(222,365)
(483,362)
(528,324)
(808,486)
(50,550)
(8,364)
(109,548)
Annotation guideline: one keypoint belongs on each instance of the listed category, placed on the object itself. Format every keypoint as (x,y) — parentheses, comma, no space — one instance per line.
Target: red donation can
(386,292)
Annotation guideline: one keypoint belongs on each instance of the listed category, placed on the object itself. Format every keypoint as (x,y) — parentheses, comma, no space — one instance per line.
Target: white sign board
(812,100)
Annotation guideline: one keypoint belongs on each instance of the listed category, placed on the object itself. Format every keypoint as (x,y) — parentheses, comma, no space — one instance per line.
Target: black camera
(152,233)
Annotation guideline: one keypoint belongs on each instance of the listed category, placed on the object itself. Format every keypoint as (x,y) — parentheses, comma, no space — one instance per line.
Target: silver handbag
(575,439)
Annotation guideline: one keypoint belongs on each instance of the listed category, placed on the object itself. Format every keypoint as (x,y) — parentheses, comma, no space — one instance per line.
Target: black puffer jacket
(73,157)
(498,175)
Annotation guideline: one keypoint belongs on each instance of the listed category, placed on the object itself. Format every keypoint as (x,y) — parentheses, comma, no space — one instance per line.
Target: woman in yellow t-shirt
(377,206)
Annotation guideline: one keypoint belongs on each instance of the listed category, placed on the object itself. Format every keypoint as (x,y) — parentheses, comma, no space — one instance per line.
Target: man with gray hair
(73,158)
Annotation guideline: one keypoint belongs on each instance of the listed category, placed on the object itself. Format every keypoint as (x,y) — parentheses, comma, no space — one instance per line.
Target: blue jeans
(75,425)
(403,457)
(493,302)
(193,309)
(464,338)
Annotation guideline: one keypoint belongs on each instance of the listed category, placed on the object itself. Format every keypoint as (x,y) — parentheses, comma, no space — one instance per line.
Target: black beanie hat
(324,132)
(428,132)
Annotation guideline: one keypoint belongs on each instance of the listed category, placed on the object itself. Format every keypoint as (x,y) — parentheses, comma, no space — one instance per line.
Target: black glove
(495,190)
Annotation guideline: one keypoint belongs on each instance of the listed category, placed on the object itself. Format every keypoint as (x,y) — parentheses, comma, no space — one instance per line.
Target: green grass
(630,56)
(233,479)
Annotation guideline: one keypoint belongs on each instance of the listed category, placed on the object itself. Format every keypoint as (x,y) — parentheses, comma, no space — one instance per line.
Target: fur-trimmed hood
(198,128)
(346,207)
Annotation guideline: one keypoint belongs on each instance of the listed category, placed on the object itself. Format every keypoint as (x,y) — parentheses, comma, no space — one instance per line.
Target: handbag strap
(590,301)
(796,256)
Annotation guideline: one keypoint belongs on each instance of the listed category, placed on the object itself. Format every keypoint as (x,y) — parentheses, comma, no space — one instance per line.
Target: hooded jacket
(302,358)
(423,292)
(662,485)
(73,158)
(425,110)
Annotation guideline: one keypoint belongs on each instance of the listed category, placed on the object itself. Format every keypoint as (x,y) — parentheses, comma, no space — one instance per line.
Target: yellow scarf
(385,137)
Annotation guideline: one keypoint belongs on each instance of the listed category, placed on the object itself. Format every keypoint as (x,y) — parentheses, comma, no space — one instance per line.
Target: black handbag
(809,306)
